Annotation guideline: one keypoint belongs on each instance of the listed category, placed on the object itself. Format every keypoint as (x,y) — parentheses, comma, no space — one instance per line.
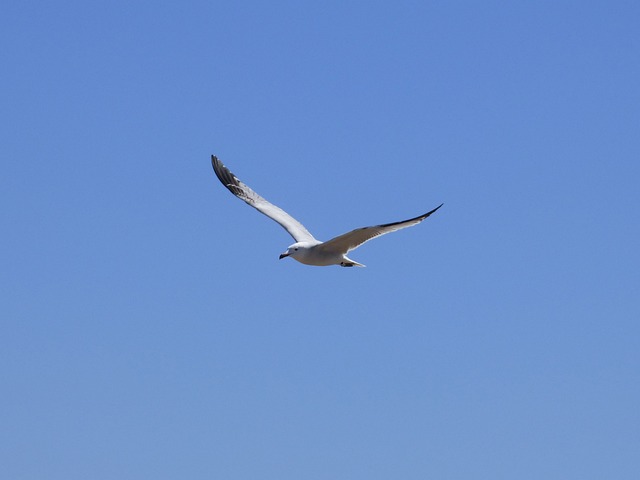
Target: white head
(295,250)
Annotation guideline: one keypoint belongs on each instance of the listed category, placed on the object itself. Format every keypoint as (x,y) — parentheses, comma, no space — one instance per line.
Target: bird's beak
(283,255)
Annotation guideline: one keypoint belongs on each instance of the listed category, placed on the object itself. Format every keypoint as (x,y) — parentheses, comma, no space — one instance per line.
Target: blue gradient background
(148,329)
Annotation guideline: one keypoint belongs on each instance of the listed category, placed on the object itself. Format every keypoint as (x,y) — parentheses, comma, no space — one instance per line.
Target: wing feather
(353,239)
(244,193)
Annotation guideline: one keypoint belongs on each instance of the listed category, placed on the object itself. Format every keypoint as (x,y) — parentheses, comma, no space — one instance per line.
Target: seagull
(307,249)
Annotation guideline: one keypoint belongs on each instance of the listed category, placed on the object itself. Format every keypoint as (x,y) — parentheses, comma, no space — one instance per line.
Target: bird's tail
(347,262)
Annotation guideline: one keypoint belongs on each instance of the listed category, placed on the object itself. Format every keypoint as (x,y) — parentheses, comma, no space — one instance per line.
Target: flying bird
(307,249)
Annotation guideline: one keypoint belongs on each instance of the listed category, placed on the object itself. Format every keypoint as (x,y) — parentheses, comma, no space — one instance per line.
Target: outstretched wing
(243,192)
(348,241)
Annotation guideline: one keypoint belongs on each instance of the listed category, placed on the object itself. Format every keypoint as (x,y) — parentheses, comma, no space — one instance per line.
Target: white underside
(321,258)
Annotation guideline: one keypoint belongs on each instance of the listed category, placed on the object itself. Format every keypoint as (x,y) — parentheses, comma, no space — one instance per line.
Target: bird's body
(307,249)
(316,253)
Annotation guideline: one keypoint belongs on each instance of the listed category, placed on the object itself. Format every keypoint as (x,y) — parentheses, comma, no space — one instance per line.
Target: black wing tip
(225,176)
(422,217)
(433,211)
(218,167)
(418,218)
(215,163)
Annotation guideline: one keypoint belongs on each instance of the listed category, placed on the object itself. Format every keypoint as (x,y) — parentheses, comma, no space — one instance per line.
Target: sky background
(148,329)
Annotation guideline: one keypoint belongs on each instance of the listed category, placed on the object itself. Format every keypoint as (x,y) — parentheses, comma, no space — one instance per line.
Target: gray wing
(243,192)
(348,241)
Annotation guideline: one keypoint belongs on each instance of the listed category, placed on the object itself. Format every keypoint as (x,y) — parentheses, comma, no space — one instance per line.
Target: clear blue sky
(148,329)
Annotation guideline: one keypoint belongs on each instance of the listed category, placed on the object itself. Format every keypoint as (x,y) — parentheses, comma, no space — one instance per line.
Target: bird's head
(293,251)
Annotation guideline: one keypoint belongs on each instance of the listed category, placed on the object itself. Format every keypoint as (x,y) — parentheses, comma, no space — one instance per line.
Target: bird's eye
(296,249)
